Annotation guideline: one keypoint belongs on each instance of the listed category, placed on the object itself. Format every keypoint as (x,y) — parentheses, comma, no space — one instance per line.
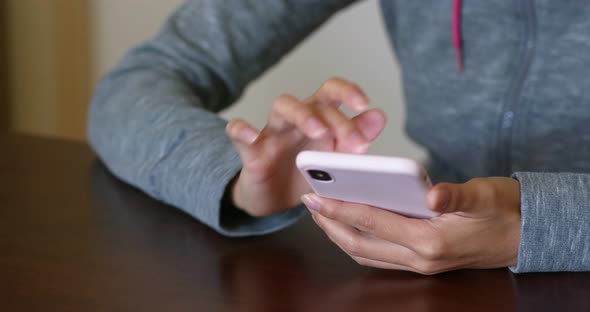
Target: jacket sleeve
(555,229)
(153,119)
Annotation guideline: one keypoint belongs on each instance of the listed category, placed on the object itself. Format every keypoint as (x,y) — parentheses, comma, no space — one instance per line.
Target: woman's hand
(479,227)
(269,181)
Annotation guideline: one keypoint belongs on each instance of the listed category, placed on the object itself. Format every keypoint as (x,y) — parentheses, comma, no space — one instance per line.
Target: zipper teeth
(509,111)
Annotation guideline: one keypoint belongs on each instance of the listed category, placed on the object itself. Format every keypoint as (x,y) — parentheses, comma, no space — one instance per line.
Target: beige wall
(117,25)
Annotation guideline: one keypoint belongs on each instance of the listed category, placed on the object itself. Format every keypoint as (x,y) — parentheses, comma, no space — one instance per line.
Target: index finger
(408,232)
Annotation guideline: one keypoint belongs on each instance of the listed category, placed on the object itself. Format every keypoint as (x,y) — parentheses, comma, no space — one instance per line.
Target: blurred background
(53,52)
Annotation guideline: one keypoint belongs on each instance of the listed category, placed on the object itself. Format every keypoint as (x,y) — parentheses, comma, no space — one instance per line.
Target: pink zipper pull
(457,34)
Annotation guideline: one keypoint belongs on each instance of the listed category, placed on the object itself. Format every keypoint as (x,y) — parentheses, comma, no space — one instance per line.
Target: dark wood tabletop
(74,238)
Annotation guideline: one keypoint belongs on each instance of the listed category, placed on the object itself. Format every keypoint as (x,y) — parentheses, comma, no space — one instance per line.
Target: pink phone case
(395,184)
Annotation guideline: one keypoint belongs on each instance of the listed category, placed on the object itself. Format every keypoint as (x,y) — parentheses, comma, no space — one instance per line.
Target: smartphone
(395,184)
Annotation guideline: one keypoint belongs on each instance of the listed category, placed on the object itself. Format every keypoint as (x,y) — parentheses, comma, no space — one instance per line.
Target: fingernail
(443,199)
(358,103)
(248,135)
(311,201)
(361,149)
(315,128)
(431,199)
(438,200)
(361,146)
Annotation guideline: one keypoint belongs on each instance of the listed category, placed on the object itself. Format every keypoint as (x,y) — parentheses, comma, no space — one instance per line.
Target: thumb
(448,197)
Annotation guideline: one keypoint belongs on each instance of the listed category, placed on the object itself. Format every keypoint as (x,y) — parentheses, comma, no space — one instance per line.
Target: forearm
(152,120)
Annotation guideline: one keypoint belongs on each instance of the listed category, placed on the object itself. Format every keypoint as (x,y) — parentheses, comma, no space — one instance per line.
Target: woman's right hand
(269,181)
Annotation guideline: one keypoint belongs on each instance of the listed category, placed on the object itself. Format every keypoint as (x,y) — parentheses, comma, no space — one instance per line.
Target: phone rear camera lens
(319,175)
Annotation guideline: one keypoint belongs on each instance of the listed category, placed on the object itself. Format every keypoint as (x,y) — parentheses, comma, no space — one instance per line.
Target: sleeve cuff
(555,222)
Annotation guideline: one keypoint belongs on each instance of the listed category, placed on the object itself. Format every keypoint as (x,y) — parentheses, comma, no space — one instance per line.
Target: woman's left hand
(479,227)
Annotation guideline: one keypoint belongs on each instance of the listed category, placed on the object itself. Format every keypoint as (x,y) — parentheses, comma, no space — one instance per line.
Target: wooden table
(74,238)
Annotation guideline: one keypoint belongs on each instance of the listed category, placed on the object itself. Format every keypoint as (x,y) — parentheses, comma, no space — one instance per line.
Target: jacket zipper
(513,98)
